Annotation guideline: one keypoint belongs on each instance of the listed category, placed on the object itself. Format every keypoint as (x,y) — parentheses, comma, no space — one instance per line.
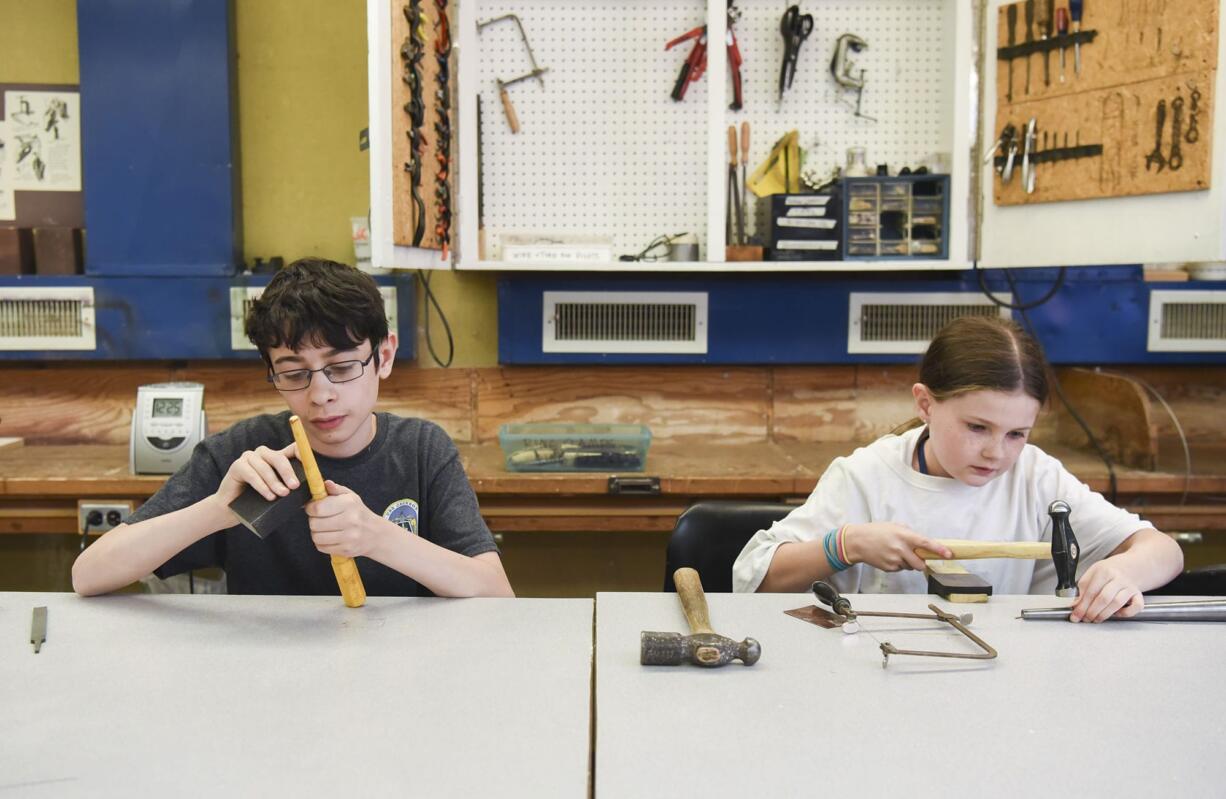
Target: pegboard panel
(603,150)
(909,84)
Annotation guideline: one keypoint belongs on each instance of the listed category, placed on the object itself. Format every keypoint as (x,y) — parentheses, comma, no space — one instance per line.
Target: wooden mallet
(956,584)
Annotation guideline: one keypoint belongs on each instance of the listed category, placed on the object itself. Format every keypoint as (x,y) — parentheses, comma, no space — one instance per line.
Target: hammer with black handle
(703,646)
(1063,549)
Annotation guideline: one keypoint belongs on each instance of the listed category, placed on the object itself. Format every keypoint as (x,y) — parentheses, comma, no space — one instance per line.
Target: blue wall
(1099,315)
(181,318)
(157,134)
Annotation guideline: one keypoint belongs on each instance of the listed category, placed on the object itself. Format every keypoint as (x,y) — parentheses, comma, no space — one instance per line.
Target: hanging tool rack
(422,130)
(1110,96)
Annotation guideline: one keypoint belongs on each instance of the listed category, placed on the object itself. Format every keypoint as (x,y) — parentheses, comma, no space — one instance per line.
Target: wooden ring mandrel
(345,569)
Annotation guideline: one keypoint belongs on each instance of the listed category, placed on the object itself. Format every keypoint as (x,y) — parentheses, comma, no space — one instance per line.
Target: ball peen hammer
(345,569)
(703,646)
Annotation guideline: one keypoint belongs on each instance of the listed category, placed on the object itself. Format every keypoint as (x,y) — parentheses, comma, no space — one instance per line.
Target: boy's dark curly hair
(319,303)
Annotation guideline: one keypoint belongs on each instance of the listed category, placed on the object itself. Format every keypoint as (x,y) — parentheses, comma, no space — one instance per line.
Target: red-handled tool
(695,63)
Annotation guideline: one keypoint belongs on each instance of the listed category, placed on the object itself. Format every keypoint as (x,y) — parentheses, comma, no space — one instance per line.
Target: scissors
(795,28)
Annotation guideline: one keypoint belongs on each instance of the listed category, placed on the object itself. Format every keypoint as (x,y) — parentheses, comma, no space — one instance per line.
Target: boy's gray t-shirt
(409,474)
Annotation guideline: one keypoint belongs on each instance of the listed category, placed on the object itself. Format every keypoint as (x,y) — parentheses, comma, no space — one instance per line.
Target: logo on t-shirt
(403,513)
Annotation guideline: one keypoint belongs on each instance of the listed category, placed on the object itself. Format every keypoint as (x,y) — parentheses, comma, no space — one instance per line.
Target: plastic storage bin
(557,447)
(896,217)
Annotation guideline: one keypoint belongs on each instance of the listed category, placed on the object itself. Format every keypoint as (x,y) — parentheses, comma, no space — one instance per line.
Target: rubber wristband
(830,547)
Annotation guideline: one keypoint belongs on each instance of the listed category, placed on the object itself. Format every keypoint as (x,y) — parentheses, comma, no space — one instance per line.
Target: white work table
(1116,709)
(145,695)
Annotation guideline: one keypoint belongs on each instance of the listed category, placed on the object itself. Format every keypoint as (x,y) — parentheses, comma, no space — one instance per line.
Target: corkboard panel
(404,211)
(1135,41)
(1124,122)
(1143,51)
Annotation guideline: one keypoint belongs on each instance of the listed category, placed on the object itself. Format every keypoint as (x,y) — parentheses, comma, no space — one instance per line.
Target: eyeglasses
(298,379)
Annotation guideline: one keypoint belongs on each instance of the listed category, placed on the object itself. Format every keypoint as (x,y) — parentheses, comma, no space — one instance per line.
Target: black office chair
(709,535)
(1201,581)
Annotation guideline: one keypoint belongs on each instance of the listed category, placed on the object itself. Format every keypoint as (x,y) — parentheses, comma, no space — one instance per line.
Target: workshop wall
(301,103)
(302,98)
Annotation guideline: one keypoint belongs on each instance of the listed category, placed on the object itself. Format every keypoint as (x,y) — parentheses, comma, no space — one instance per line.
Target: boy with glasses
(398,499)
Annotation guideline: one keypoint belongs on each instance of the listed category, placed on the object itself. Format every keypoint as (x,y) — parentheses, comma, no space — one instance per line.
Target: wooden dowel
(346,570)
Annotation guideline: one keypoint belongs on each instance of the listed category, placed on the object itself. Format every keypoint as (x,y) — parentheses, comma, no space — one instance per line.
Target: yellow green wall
(301,102)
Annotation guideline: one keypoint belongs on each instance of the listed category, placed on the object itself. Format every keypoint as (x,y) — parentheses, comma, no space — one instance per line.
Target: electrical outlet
(102,516)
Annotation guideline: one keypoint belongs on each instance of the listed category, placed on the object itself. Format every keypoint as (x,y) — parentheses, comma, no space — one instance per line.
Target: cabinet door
(1138,200)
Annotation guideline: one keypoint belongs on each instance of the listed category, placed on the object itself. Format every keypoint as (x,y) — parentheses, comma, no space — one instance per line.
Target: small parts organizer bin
(896,217)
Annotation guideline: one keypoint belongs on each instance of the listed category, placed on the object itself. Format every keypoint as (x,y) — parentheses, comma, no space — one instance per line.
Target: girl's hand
(341,524)
(268,471)
(888,546)
(1105,591)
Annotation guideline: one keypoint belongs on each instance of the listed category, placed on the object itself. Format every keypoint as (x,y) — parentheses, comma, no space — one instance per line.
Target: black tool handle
(828,595)
(737,103)
(682,79)
(1064,549)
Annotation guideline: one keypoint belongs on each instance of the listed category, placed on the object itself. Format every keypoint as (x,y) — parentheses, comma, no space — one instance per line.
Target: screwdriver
(1062,32)
(744,192)
(1028,7)
(1074,7)
(1045,23)
(1011,16)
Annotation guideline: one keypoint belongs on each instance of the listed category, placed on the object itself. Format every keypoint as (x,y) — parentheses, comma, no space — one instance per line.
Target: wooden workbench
(40,485)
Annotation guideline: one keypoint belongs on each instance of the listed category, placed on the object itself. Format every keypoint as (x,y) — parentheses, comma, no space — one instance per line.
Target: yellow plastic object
(780,172)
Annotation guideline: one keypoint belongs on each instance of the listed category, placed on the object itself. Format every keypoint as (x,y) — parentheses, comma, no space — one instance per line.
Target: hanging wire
(1055,379)
(424,277)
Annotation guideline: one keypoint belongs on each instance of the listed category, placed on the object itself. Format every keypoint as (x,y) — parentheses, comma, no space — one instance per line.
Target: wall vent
(640,322)
(47,319)
(903,323)
(241,298)
(1187,321)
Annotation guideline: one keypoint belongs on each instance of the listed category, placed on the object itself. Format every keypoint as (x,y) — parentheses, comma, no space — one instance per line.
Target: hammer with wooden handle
(346,571)
(703,646)
(963,549)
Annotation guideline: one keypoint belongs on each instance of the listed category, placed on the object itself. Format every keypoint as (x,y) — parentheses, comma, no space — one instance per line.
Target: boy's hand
(1105,591)
(268,471)
(341,524)
(888,546)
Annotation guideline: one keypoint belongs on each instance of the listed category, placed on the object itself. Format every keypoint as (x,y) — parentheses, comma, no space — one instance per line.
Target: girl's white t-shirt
(876,483)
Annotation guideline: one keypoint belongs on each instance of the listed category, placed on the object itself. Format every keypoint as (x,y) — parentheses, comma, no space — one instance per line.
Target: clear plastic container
(563,447)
